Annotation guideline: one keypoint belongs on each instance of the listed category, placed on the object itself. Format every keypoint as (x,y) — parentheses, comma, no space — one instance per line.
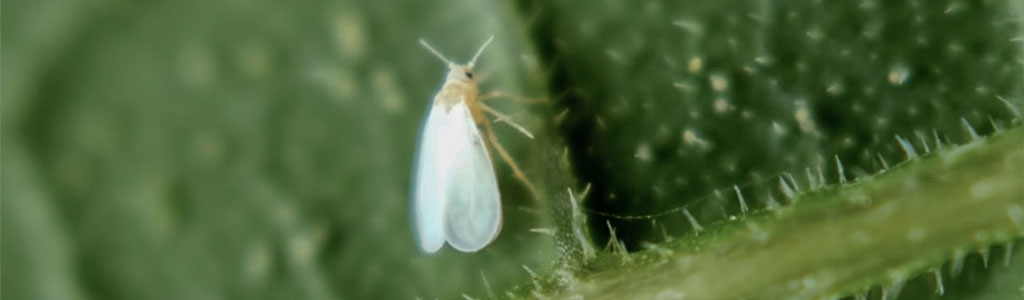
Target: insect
(455,191)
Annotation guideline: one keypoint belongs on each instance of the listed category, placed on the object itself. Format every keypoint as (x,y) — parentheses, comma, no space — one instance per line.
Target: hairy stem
(877,230)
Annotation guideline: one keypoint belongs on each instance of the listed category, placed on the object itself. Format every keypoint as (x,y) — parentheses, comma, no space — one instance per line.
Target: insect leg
(497,94)
(503,118)
(508,159)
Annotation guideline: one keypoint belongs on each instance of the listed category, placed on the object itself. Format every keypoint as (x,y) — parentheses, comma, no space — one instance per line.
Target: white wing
(456,192)
(473,208)
(429,195)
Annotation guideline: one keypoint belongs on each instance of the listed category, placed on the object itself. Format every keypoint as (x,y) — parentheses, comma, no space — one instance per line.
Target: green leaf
(258,149)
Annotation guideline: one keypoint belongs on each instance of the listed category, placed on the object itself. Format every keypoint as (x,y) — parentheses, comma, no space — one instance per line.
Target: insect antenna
(480,51)
(436,53)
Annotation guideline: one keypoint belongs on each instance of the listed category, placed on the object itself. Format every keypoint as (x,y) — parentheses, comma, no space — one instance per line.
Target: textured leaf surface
(835,242)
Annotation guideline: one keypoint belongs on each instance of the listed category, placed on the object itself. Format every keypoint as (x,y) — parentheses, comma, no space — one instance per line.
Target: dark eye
(469,75)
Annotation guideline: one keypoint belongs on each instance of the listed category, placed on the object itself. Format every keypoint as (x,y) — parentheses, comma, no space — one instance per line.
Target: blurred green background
(263,149)
(240,149)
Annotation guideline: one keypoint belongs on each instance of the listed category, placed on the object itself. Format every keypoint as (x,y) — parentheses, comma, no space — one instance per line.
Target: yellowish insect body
(460,85)
(458,88)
